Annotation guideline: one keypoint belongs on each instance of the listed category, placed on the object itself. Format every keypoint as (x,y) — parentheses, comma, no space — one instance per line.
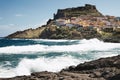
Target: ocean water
(24,56)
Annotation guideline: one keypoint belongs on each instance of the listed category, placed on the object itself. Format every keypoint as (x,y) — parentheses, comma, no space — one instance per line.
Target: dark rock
(100,63)
(78,11)
(45,75)
(96,74)
(116,77)
(61,78)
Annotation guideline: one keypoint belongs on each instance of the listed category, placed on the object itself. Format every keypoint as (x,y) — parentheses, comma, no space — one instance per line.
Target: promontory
(83,22)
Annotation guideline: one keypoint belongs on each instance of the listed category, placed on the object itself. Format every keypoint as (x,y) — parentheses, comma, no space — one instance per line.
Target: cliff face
(78,11)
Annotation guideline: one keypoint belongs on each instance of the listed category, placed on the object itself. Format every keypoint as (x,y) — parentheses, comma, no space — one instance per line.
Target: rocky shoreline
(101,69)
(112,40)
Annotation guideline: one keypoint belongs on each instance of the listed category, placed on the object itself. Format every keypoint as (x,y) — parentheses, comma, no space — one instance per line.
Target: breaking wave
(83,45)
(24,56)
(27,66)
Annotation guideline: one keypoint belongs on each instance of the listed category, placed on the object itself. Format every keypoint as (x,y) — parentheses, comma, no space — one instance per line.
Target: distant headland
(84,22)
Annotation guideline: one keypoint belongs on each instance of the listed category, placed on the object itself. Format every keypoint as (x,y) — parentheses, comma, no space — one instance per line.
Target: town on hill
(76,23)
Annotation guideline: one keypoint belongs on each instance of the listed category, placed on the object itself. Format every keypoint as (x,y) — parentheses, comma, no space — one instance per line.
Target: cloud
(18,15)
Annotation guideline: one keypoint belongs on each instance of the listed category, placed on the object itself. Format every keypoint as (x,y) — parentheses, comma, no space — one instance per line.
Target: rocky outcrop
(107,68)
(78,11)
(113,36)
(101,69)
(61,33)
(27,34)
(53,32)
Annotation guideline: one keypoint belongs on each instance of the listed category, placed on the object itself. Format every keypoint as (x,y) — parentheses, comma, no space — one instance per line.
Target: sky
(17,15)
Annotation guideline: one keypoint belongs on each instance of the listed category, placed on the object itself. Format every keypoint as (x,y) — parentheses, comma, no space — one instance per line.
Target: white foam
(52,40)
(94,40)
(47,40)
(26,66)
(83,45)
(6,73)
(103,55)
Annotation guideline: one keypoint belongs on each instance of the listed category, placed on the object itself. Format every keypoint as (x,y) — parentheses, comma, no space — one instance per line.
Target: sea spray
(24,56)
(83,45)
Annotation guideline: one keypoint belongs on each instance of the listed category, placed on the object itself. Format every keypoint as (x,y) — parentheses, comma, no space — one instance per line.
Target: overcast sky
(23,14)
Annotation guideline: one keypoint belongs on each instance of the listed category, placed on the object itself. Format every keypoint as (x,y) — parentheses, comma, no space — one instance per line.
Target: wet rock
(45,75)
(95,74)
(116,77)
(101,69)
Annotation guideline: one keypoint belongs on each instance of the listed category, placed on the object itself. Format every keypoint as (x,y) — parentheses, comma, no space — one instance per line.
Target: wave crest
(83,45)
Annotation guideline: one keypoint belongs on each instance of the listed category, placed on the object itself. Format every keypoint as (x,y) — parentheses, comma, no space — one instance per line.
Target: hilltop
(88,9)
(76,23)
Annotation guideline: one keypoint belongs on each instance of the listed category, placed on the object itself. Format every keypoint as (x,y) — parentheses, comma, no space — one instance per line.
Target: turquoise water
(24,56)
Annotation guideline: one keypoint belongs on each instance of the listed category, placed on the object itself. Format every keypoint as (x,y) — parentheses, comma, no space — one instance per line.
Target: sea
(23,56)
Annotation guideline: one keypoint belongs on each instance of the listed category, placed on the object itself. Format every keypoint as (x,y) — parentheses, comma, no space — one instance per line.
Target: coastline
(110,40)
(53,32)
(101,69)
(80,23)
